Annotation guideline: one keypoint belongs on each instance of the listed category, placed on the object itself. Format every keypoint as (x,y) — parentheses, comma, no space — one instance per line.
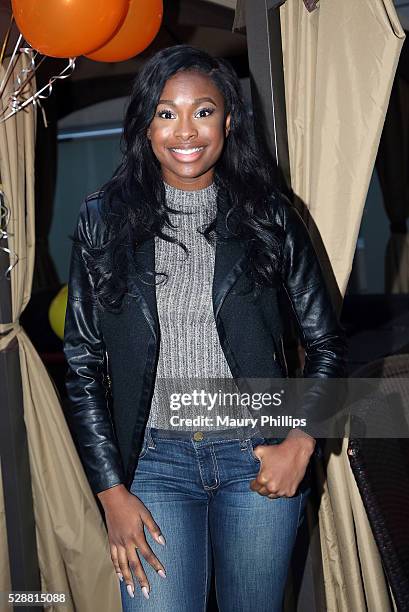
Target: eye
(164,112)
(210,111)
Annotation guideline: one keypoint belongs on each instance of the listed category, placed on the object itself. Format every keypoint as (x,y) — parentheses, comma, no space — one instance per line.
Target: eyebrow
(197,101)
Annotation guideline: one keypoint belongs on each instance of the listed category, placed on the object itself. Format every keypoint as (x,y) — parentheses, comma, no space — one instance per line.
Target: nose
(185,130)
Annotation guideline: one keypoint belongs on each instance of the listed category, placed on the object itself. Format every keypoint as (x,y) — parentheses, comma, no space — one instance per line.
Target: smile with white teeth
(187,151)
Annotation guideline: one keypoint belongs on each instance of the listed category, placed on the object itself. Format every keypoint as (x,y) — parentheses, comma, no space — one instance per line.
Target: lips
(186,154)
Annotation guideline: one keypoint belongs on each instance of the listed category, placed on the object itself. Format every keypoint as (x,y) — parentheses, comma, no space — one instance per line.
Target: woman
(192,203)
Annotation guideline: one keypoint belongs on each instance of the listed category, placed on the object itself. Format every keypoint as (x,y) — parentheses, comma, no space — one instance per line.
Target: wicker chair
(381,470)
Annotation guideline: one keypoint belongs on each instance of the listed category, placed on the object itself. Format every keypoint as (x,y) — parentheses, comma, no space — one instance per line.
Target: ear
(148,133)
(227,125)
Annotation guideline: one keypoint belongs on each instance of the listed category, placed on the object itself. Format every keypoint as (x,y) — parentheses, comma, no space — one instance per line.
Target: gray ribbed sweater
(190,350)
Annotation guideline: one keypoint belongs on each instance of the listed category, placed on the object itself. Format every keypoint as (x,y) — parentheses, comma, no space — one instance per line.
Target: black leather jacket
(112,357)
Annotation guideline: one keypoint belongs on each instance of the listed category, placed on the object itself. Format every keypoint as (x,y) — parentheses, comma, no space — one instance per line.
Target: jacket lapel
(141,287)
(230,256)
(230,261)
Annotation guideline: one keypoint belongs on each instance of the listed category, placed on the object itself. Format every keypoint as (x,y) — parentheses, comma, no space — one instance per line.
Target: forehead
(188,86)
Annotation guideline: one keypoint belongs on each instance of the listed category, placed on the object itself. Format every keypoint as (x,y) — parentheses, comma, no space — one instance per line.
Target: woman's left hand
(282,465)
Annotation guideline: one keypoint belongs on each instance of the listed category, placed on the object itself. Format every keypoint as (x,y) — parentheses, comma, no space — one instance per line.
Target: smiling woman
(188,130)
(216,491)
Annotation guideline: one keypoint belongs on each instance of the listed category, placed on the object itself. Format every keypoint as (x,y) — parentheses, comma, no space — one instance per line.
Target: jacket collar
(230,262)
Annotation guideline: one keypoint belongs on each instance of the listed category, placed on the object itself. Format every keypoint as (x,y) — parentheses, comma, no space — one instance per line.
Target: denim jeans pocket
(252,443)
(145,446)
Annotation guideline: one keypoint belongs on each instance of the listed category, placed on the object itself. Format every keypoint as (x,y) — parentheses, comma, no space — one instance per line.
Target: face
(188,131)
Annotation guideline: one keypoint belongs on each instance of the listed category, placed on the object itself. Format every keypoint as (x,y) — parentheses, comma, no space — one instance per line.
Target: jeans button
(197,436)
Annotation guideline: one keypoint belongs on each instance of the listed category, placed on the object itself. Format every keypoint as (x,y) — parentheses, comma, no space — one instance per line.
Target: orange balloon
(138,30)
(67,28)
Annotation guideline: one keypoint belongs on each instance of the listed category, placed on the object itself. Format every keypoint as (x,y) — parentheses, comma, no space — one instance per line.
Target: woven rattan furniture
(381,470)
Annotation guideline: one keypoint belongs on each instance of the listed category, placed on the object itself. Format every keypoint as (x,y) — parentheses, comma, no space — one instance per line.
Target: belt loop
(149,440)
(244,443)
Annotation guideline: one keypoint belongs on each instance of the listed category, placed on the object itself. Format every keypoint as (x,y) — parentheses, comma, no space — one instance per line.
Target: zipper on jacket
(106,373)
(282,354)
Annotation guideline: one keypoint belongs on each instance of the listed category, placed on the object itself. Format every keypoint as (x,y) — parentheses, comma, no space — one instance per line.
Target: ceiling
(228,3)
(203,23)
(207,25)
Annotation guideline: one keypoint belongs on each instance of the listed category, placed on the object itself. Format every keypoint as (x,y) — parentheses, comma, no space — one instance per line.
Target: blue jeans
(198,493)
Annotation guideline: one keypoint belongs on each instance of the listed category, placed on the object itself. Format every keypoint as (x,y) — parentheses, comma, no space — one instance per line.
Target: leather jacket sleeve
(87,410)
(321,334)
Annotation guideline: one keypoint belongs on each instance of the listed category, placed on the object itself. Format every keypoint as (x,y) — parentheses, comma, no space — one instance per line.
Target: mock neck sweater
(189,350)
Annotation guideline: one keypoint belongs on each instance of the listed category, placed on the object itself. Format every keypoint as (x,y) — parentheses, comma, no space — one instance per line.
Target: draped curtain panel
(340,61)
(72,542)
(339,64)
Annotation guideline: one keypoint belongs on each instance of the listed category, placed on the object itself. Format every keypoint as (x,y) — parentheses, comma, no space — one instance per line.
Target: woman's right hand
(126,516)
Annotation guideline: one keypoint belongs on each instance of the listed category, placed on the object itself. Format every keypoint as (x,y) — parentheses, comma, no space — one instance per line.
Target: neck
(191,200)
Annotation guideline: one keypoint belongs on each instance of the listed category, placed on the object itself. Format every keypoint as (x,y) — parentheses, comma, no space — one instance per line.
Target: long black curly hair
(133,201)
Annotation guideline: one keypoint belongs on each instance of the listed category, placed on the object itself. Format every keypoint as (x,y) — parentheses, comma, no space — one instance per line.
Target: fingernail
(161,540)
(120,576)
(145,592)
(162,573)
(129,588)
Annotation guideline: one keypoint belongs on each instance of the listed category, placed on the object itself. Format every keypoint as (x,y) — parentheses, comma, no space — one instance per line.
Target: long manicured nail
(120,576)
(161,540)
(129,588)
(145,592)
(162,573)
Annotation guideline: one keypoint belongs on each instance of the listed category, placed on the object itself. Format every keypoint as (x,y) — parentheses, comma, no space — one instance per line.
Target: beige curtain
(71,537)
(339,65)
(340,61)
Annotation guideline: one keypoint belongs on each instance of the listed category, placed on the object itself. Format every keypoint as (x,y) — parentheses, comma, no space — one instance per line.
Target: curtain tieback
(11,330)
